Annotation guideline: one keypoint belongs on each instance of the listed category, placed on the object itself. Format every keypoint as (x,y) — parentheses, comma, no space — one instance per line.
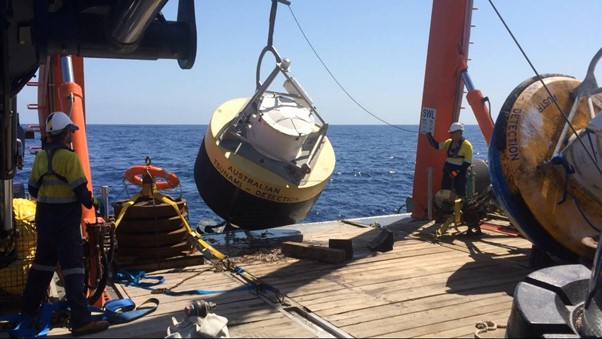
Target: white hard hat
(57,122)
(456,126)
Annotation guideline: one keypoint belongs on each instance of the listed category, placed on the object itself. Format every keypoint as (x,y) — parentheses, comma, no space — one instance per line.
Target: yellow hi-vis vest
(459,155)
(58,180)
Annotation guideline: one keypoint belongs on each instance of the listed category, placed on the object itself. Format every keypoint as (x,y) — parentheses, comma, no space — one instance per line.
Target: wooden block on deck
(301,250)
(342,244)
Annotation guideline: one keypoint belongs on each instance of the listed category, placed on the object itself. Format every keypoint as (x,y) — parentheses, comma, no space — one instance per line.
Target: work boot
(92,327)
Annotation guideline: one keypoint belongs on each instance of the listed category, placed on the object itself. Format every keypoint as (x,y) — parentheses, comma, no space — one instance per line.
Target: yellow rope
(125,208)
(197,237)
(193,234)
(217,254)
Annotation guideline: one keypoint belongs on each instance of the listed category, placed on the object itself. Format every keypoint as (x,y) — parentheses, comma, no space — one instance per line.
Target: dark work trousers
(458,183)
(59,243)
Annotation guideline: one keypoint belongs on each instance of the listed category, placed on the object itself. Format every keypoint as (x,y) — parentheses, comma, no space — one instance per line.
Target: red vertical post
(442,92)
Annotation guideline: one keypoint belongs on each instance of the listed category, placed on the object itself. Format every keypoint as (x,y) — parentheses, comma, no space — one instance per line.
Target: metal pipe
(8,124)
(8,153)
(104,192)
(7,205)
(566,126)
(132,18)
(590,107)
(467,81)
(135,30)
(67,69)
(429,192)
(249,107)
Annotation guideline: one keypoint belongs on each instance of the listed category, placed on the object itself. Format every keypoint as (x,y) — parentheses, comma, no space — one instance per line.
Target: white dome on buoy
(280,128)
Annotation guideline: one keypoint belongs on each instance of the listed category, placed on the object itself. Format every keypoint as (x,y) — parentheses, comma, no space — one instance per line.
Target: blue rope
(132,278)
(558,159)
(589,223)
(591,144)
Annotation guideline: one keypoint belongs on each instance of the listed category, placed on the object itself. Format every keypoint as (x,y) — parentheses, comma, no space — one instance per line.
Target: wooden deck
(419,289)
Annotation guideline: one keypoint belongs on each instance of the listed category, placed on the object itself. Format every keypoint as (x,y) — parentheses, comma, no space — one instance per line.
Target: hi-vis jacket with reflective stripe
(57,187)
(457,155)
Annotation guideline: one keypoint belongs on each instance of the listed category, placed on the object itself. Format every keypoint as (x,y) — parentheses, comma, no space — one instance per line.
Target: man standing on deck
(58,183)
(459,159)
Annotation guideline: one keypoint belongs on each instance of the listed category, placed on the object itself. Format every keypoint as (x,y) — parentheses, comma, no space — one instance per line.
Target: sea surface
(373,173)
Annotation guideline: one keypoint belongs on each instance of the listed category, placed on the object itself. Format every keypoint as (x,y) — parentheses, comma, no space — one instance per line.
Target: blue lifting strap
(250,285)
(24,326)
(132,278)
(116,311)
(205,292)
(121,311)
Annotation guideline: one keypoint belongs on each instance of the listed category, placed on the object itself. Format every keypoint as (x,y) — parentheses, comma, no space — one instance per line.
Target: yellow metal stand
(452,220)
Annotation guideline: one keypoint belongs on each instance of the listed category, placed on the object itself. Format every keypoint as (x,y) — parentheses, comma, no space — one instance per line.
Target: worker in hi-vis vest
(58,183)
(459,159)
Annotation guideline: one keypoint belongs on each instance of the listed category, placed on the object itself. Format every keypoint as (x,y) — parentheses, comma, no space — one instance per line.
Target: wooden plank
(273,328)
(466,323)
(422,295)
(150,265)
(301,250)
(365,312)
(402,260)
(500,318)
(408,275)
(412,324)
(463,286)
(440,280)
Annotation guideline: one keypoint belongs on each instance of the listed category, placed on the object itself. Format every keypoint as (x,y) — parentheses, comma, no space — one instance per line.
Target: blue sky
(376,49)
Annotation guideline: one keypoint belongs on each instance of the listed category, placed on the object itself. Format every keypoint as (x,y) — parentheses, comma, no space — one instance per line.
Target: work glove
(432,140)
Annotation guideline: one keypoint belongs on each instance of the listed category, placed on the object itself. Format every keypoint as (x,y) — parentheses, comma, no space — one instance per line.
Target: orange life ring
(134,175)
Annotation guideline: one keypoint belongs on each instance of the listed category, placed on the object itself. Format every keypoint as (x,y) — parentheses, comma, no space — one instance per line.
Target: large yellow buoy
(540,172)
(265,170)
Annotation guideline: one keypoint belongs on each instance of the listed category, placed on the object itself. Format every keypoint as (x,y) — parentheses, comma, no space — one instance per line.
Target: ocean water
(373,174)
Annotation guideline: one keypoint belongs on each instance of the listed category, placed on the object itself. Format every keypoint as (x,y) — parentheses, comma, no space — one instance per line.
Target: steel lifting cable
(337,81)
(270,45)
(592,158)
